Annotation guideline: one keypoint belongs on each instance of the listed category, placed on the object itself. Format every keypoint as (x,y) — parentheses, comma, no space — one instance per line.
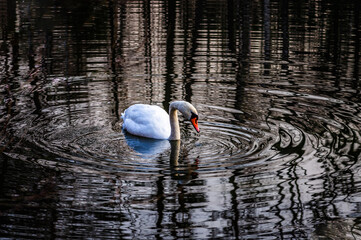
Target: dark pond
(277,88)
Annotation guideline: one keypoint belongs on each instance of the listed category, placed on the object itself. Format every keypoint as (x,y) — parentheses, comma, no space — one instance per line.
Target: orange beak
(194,121)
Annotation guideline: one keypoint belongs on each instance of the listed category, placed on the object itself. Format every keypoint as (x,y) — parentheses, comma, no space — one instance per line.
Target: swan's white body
(148,121)
(154,122)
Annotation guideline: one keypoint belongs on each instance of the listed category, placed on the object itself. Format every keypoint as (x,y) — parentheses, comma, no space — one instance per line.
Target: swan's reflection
(181,170)
(182,174)
(146,147)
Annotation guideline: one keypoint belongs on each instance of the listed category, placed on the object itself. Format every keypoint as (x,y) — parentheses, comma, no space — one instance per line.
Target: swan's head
(188,110)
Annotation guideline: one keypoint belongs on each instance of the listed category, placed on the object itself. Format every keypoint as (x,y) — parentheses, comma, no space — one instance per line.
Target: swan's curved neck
(174,124)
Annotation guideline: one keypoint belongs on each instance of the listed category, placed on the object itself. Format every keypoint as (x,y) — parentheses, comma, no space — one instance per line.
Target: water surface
(276,85)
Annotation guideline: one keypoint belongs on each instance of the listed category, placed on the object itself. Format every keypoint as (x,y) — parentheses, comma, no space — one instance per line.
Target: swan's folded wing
(147,121)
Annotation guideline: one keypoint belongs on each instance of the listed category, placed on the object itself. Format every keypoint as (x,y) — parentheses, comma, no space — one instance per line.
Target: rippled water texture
(277,88)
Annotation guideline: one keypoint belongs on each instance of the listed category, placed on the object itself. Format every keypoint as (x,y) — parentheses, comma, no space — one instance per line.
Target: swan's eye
(194,116)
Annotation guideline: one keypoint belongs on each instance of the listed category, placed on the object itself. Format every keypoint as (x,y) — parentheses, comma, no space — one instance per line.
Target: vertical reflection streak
(285,34)
(113,33)
(31,59)
(48,52)
(357,43)
(113,20)
(267,36)
(243,50)
(336,31)
(277,206)
(170,11)
(148,44)
(117,15)
(189,64)
(295,198)
(234,203)
(160,204)
(231,22)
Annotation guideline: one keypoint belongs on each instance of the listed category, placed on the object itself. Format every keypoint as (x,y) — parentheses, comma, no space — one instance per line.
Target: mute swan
(153,122)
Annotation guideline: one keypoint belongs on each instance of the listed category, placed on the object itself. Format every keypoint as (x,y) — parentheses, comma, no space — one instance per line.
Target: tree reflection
(290,69)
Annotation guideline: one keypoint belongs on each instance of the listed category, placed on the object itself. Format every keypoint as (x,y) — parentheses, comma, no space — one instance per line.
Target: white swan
(153,122)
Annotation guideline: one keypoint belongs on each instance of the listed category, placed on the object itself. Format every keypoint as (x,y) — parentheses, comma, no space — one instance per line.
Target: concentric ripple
(107,148)
(80,143)
(292,127)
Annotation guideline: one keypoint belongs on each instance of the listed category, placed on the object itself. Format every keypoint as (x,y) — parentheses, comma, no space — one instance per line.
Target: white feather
(147,121)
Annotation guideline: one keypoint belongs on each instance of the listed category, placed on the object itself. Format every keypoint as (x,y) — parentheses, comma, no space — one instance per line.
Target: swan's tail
(123,115)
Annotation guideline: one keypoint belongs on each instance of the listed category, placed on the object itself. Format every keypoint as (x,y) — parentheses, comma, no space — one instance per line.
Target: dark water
(277,86)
